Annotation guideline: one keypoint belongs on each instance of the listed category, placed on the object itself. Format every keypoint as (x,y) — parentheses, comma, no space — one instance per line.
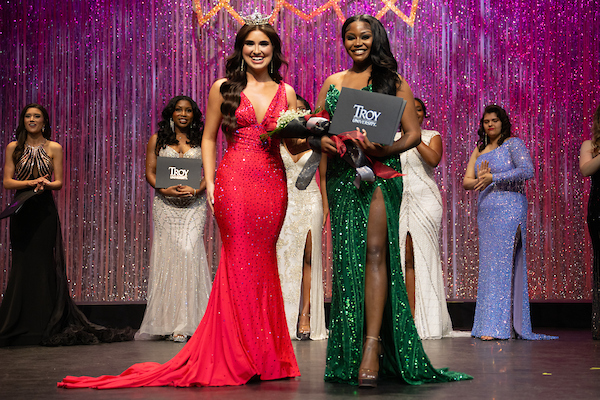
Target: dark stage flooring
(568,368)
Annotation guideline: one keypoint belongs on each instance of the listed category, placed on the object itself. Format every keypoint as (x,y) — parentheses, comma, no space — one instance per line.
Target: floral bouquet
(301,124)
(297,124)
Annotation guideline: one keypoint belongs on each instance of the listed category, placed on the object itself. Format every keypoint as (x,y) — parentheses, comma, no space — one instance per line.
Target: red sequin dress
(244,332)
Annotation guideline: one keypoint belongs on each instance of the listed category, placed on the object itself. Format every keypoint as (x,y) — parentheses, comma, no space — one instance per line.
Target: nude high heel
(304,330)
(368,377)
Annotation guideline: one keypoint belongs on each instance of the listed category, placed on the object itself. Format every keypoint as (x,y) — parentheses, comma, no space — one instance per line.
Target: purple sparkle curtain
(105,70)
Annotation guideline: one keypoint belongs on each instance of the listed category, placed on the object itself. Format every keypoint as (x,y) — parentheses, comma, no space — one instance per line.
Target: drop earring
(242,65)
(271,67)
(172,125)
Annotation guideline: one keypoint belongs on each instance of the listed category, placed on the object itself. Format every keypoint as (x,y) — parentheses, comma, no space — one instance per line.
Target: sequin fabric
(404,356)
(333,94)
(304,214)
(244,332)
(180,280)
(502,293)
(250,204)
(34,162)
(421,216)
(593,220)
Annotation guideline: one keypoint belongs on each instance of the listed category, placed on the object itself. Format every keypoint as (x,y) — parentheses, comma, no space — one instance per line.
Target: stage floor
(568,368)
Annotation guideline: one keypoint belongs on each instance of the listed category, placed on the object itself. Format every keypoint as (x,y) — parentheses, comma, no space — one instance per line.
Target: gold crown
(256,18)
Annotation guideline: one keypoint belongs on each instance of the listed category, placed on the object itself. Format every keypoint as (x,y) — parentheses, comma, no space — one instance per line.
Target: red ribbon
(322,114)
(379,169)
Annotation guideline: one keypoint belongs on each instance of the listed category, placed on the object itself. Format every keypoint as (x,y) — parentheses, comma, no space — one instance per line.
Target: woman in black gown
(589,164)
(37,307)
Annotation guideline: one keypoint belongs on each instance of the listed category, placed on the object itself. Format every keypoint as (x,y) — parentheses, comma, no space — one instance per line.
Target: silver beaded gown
(304,214)
(502,293)
(180,280)
(421,216)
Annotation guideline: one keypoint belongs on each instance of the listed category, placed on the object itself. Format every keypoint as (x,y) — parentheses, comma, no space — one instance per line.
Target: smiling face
(34,120)
(492,125)
(257,50)
(420,112)
(358,40)
(183,115)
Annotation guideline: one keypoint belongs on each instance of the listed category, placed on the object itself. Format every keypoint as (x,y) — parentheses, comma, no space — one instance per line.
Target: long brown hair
(21,132)
(236,81)
(596,132)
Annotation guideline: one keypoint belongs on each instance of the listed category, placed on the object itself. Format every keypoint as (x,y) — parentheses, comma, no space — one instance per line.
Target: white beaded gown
(421,215)
(304,214)
(180,280)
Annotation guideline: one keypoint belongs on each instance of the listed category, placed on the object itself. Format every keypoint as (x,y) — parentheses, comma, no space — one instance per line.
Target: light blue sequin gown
(502,294)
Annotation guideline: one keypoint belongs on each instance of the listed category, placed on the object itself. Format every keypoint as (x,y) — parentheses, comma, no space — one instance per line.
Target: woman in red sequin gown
(243,333)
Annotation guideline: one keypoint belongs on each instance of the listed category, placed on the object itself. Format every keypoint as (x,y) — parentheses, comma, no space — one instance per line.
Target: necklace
(43,142)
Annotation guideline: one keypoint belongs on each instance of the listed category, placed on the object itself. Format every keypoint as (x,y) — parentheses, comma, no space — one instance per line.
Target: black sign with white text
(378,114)
(178,171)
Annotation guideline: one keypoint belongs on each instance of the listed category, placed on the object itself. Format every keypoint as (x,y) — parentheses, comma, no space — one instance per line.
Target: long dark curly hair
(505,133)
(166,136)
(21,132)
(384,72)
(596,132)
(236,81)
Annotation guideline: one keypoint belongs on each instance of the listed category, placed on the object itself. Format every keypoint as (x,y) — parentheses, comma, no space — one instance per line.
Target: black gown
(37,307)
(593,219)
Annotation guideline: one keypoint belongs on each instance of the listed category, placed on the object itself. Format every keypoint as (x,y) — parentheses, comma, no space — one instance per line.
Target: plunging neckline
(180,154)
(268,108)
(290,155)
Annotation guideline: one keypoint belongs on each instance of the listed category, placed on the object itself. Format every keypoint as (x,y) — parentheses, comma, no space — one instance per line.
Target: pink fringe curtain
(105,69)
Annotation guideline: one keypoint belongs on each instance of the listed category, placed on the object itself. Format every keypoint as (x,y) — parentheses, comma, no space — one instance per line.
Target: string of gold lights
(388,5)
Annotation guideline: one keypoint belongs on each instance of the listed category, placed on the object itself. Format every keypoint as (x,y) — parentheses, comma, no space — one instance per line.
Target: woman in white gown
(180,281)
(420,221)
(299,255)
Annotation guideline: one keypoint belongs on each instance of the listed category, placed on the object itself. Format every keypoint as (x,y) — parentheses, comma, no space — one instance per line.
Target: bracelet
(194,192)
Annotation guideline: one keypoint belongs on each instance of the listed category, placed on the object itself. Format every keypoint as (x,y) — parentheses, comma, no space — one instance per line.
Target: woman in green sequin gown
(369,297)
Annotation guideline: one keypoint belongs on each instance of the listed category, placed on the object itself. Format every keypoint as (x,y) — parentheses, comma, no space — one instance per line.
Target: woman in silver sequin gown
(420,222)
(180,281)
(498,169)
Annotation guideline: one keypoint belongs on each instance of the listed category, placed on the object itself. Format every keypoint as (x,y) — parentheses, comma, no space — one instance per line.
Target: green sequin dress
(404,356)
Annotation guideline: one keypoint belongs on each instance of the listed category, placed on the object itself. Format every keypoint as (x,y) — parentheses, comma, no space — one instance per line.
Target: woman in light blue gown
(498,169)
